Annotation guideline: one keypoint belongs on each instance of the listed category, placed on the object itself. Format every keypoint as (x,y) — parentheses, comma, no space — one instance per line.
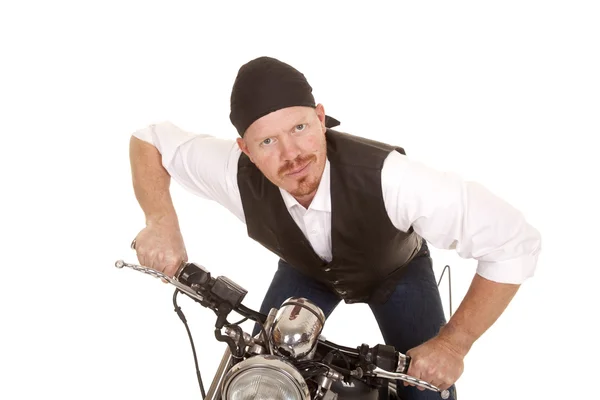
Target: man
(349,217)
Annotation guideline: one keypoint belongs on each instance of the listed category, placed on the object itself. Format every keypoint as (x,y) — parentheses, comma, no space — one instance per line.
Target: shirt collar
(321,201)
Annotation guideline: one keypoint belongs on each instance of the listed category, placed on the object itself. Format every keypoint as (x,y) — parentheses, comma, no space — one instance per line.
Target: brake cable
(184,320)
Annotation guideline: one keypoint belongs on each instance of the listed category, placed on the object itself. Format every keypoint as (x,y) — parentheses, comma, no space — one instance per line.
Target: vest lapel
(286,227)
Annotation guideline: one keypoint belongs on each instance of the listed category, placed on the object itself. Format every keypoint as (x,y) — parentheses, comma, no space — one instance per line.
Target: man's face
(288,146)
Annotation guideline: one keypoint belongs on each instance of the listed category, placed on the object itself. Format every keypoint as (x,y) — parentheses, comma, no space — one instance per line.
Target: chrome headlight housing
(297,327)
(264,377)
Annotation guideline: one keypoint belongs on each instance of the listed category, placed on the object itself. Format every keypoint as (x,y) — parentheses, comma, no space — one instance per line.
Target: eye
(267,141)
(300,127)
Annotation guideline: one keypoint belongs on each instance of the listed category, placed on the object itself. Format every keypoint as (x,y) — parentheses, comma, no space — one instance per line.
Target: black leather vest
(369,252)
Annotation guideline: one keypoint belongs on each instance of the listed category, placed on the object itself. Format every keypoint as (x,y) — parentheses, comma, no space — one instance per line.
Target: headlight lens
(264,377)
(262,383)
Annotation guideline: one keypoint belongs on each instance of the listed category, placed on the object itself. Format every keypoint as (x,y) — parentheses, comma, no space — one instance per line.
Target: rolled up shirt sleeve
(454,214)
(203,164)
(167,138)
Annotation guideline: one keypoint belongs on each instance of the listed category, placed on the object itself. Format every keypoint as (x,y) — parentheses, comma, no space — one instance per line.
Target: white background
(504,93)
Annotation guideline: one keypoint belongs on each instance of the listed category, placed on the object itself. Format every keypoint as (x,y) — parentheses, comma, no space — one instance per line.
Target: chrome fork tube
(214,392)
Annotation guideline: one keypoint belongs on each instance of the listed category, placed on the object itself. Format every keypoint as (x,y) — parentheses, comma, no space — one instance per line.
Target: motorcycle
(289,358)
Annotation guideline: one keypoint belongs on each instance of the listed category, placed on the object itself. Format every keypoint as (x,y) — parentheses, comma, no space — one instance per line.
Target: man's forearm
(484,302)
(151,182)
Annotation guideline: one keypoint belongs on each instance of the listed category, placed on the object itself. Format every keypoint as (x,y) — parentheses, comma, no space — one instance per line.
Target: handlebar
(156,274)
(222,295)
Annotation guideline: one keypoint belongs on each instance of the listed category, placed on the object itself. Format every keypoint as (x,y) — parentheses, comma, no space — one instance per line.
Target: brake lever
(156,274)
(382,373)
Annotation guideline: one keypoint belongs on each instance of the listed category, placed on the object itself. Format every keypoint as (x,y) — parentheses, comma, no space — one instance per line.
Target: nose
(289,149)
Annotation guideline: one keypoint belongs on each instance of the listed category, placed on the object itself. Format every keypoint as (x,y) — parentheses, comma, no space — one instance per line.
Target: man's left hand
(437,362)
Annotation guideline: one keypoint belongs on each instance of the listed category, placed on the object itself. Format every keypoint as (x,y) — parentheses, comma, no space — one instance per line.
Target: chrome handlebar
(160,275)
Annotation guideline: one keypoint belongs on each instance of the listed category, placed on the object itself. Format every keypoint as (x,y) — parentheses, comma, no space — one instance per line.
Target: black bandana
(264,85)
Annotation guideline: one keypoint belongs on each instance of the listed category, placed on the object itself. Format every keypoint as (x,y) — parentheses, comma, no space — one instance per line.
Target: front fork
(214,392)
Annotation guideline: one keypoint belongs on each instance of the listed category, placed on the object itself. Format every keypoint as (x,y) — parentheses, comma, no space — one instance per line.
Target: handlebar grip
(403,363)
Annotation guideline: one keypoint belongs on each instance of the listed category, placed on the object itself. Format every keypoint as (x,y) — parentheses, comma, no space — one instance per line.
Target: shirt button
(313,232)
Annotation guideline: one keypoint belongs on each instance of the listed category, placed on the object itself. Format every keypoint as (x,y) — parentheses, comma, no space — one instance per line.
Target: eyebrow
(262,138)
(299,121)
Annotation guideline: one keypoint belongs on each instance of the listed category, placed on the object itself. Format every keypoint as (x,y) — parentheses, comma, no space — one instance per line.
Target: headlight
(264,377)
(296,328)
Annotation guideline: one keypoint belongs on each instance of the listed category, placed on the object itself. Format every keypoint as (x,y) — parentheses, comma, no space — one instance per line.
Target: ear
(320,110)
(244,147)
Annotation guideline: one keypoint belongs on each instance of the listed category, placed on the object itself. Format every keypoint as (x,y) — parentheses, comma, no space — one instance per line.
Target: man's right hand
(160,246)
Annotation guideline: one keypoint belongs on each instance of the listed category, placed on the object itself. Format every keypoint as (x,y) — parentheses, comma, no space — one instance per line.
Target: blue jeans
(410,316)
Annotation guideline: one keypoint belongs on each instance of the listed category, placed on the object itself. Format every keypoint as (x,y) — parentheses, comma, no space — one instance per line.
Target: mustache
(298,162)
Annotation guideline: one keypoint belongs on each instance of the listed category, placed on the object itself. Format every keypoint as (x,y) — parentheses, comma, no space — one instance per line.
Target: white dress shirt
(445,210)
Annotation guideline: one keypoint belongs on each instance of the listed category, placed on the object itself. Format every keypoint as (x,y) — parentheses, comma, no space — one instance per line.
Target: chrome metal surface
(214,392)
(407,378)
(248,340)
(160,275)
(267,325)
(267,361)
(297,327)
(401,367)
